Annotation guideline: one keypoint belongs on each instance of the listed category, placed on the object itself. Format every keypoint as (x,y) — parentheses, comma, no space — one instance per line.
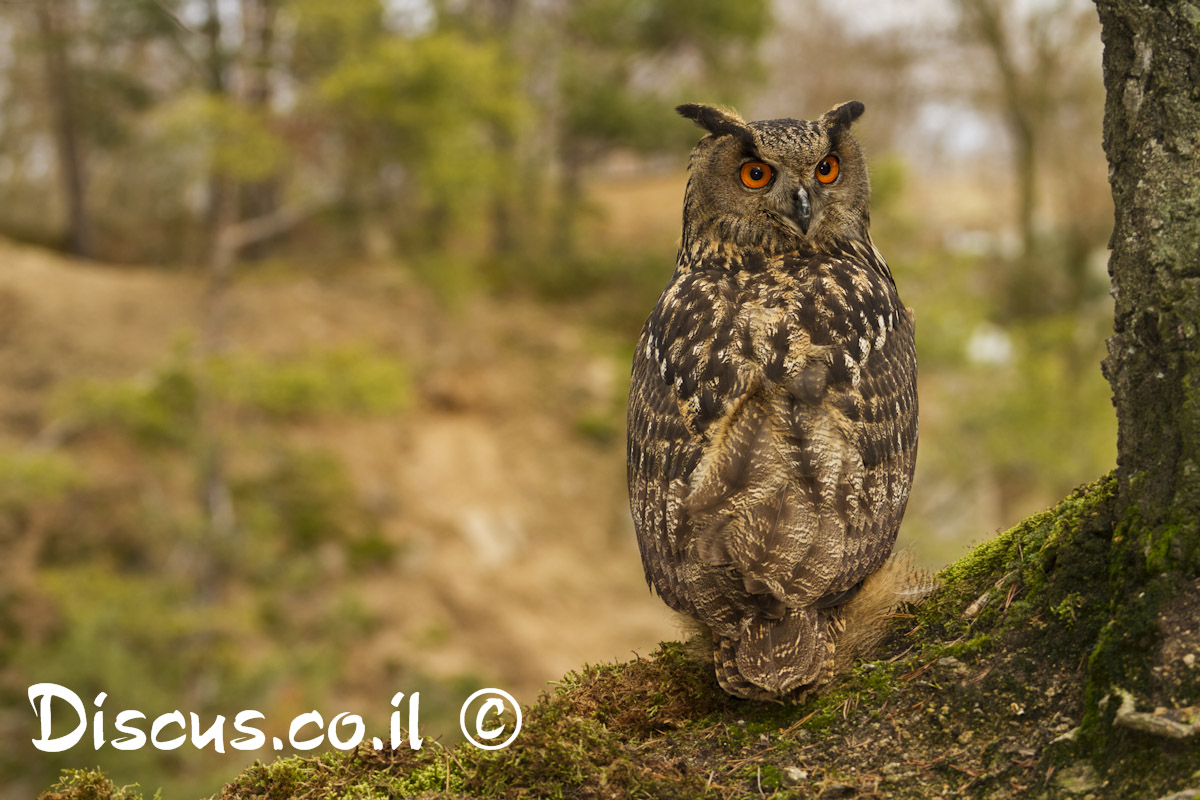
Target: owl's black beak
(803,209)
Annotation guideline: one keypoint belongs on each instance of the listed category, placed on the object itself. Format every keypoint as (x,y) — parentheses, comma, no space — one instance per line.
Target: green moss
(769,777)
(1019,574)
(1119,657)
(970,648)
(1067,610)
(363,773)
(88,784)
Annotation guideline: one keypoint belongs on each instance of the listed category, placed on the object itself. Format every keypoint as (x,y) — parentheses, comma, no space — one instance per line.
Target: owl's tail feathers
(897,583)
(790,657)
(776,658)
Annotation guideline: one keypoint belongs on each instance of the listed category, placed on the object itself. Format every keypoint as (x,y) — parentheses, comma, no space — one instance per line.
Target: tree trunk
(506,227)
(259,198)
(985,19)
(214,493)
(1152,139)
(60,89)
(215,66)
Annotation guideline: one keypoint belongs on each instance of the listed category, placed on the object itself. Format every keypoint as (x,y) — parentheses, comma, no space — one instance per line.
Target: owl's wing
(678,387)
(881,416)
(660,454)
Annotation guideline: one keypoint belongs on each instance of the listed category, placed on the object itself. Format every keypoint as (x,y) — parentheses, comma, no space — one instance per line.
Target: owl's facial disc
(803,209)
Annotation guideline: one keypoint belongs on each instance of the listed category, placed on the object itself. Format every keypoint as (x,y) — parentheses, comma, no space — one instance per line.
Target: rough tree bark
(1152,138)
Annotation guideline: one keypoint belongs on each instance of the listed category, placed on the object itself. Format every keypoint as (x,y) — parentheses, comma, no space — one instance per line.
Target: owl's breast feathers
(772,432)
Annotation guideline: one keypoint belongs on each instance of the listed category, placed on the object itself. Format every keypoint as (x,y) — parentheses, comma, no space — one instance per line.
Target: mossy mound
(980,693)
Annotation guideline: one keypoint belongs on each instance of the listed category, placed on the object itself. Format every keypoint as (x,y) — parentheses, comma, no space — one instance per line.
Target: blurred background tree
(338,402)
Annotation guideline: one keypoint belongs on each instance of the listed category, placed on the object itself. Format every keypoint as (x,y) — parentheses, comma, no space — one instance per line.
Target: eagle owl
(773,406)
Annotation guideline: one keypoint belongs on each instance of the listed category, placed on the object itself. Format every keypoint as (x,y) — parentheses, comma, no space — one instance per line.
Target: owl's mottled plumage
(773,407)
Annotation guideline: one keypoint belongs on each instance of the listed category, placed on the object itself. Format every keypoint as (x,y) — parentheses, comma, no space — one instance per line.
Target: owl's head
(776,185)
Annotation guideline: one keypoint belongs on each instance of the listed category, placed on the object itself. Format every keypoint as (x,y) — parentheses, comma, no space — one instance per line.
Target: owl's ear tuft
(840,116)
(717,121)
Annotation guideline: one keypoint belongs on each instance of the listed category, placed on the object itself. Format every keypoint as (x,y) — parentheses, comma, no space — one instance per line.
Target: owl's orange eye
(827,170)
(755,174)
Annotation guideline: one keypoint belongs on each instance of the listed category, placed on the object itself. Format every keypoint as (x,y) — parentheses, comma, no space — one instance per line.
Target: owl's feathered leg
(897,583)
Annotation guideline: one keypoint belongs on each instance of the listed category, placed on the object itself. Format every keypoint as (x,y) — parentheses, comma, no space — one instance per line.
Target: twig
(798,723)
(982,674)
(247,232)
(1012,592)
(919,671)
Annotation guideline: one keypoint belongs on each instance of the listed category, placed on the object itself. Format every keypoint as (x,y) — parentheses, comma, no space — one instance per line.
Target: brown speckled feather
(772,422)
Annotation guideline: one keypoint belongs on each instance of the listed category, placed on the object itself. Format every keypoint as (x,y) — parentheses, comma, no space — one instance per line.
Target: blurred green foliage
(712,43)
(406,132)
(238,141)
(427,110)
(1014,409)
(301,500)
(163,406)
(31,478)
(353,381)
(1046,413)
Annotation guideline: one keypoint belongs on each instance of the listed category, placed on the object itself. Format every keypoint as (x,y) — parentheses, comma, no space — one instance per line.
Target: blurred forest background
(316,317)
